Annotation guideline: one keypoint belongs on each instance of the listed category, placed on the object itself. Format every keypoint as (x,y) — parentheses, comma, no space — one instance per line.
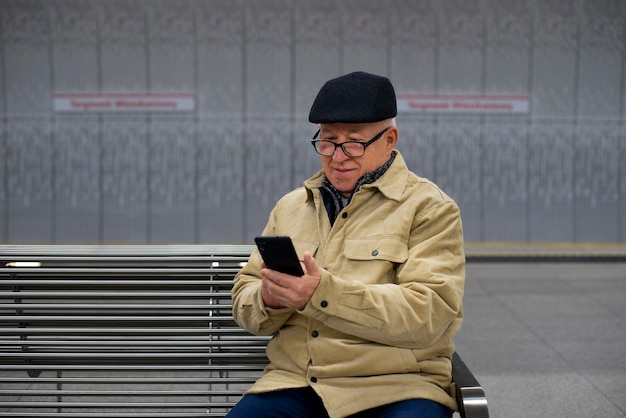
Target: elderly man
(367,330)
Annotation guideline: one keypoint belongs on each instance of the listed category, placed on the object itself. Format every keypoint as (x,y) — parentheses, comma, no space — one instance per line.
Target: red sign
(124,102)
(421,103)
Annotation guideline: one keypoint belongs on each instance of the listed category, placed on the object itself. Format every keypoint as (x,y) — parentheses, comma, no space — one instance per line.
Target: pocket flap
(377,248)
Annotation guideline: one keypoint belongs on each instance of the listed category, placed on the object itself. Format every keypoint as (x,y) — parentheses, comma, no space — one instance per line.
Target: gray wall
(557,173)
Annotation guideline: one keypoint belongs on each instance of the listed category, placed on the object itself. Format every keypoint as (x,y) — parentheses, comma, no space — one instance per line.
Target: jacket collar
(391,184)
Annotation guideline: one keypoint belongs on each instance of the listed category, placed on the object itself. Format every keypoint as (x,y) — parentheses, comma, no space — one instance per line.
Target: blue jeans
(304,403)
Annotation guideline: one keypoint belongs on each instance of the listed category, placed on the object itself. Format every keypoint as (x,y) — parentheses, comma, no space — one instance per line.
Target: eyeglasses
(350,148)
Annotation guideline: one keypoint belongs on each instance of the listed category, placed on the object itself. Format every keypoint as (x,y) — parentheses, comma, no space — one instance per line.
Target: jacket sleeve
(422,306)
(249,311)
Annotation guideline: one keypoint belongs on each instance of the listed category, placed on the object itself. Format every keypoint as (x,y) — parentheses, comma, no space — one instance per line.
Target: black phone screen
(279,254)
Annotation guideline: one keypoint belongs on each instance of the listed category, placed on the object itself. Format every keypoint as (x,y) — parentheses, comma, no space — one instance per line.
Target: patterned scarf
(334,201)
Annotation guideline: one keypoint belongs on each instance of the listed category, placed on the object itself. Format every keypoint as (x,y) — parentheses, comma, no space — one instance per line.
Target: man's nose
(339,155)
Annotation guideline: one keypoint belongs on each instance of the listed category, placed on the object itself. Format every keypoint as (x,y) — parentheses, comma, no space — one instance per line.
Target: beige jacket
(379,327)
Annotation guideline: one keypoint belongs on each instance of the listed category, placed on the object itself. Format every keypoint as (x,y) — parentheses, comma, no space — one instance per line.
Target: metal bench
(147,331)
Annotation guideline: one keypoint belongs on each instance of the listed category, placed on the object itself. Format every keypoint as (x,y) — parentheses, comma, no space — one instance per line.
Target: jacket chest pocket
(374,259)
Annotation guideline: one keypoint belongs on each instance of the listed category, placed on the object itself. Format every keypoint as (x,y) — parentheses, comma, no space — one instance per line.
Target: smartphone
(279,254)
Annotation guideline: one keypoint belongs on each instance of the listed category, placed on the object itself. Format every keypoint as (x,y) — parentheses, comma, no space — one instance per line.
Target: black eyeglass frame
(342,145)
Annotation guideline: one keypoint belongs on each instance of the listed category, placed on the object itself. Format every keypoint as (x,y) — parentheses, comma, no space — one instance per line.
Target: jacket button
(314,334)
(375,253)
(344,215)
(324,303)
(314,379)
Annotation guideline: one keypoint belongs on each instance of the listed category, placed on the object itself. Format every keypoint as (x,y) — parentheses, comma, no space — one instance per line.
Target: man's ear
(391,137)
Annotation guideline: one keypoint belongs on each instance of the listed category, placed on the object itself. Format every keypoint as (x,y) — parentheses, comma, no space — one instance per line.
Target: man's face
(342,171)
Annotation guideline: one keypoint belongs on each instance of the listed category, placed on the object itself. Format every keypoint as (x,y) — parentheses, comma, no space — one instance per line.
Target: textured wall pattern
(557,173)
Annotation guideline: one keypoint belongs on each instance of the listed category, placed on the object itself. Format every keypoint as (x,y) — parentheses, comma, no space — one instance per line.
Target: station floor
(547,337)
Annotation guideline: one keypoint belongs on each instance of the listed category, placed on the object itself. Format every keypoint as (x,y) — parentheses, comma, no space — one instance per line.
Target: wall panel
(125,183)
(504,171)
(76,179)
(596,183)
(213,174)
(29,169)
(221,164)
(550,183)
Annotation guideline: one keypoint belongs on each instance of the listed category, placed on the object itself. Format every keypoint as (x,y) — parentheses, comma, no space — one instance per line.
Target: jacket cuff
(326,298)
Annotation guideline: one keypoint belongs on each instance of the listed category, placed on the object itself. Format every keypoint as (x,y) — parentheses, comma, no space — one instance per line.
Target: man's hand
(280,290)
